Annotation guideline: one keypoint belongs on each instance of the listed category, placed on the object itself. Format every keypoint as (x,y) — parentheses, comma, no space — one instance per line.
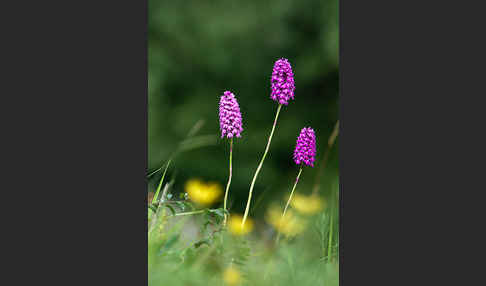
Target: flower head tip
(282,82)
(305,149)
(230,121)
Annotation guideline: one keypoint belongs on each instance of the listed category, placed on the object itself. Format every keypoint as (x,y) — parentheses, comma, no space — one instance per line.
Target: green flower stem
(292,192)
(229,181)
(290,198)
(259,167)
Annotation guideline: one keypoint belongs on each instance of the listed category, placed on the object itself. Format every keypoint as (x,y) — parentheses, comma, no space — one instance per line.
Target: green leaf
(152,207)
(172,210)
(170,242)
(181,205)
(219,212)
(201,242)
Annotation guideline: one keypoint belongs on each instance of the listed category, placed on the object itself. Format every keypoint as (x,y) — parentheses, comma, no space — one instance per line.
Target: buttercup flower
(288,224)
(230,121)
(282,82)
(235,228)
(307,205)
(231,276)
(202,193)
(305,149)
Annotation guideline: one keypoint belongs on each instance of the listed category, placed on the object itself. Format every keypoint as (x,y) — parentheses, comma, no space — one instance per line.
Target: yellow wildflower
(231,276)
(202,193)
(307,205)
(234,225)
(289,225)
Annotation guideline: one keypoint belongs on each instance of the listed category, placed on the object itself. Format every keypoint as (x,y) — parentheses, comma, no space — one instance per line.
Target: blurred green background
(199,49)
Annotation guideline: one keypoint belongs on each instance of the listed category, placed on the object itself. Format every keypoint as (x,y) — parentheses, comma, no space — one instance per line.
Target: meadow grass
(309,258)
(188,243)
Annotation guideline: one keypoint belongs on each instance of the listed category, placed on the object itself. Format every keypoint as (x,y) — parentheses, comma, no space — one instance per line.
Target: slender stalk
(160,183)
(318,176)
(292,192)
(229,181)
(260,166)
(290,198)
(329,247)
(331,223)
(334,134)
(322,166)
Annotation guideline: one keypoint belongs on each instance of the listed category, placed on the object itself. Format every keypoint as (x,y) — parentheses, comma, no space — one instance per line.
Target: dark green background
(199,49)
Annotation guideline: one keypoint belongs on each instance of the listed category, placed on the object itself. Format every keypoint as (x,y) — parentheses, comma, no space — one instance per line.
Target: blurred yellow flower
(202,193)
(307,205)
(231,276)
(289,225)
(234,225)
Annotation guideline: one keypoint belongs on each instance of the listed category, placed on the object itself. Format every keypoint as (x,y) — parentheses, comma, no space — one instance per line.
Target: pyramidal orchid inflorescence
(305,149)
(282,85)
(282,82)
(304,153)
(230,121)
